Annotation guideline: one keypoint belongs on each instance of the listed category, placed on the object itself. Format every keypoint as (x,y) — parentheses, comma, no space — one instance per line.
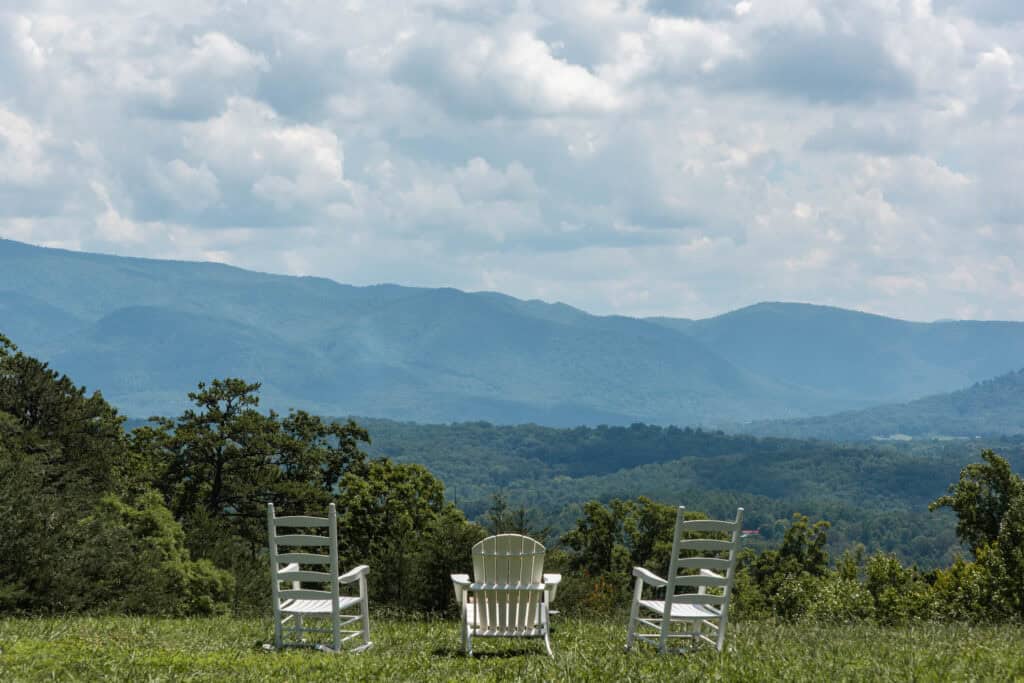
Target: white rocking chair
(510,595)
(696,610)
(294,603)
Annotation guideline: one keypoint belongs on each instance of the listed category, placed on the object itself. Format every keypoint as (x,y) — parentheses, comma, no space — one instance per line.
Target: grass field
(146,649)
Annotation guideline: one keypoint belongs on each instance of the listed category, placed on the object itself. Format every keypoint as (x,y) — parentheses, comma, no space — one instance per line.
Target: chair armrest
(649,578)
(551,582)
(461,582)
(353,574)
(708,572)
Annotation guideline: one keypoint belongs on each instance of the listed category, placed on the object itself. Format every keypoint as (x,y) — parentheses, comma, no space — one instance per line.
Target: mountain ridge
(441,355)
(993,407)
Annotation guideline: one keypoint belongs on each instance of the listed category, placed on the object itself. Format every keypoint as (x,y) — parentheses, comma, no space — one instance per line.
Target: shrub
(132,559)
(839,600)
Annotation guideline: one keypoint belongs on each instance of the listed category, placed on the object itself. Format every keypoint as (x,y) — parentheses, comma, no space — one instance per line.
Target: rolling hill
(146,331)
(989,408)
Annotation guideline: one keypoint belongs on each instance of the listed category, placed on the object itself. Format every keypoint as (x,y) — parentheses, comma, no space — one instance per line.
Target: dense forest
(168,518)
(876,495)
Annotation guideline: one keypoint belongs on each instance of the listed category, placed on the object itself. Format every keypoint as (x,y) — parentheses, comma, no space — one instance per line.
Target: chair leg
(666,626)
(547,628)
(634,614)
(278,638)
(336,630)
(364,606)
(721,631)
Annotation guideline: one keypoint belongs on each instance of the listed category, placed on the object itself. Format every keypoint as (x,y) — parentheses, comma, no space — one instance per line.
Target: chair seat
(682,611)
(316,606)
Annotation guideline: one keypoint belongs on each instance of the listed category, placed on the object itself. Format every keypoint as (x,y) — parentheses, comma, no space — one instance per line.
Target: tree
(224,460)
(501,519)
(981,499)
(786,578)
(79,440)
(989,504)
(85,531)
(133,560)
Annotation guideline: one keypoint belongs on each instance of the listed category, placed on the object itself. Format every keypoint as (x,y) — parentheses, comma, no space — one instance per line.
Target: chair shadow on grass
(502,653)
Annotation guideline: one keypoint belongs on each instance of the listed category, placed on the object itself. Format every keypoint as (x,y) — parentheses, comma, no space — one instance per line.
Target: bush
(838,600)
(132,559)
(961,593)
(899,593)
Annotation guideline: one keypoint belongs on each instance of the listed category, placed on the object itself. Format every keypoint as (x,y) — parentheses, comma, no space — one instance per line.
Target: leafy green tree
(79,440)
(132,560)
(225,460)
(501,518)
(981,499)
(786,577)
(72,541)
(989,503)
(608,541)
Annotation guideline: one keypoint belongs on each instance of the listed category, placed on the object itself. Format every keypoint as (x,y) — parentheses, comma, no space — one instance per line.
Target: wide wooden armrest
(708,572)
(293,567)
(649,577)
(551,582)
(353,574)
(461,584)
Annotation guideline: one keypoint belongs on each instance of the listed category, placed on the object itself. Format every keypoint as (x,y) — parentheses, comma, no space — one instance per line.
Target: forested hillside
(988,409)
(873,494)
(146,332)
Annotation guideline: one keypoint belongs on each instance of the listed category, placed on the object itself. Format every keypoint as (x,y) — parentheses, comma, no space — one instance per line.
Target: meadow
(586,649)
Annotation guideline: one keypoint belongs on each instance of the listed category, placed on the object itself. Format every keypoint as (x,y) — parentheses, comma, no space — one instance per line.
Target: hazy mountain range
(145,332)
(992,407)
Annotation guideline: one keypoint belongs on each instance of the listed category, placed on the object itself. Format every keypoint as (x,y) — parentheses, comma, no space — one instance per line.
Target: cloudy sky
(642,157)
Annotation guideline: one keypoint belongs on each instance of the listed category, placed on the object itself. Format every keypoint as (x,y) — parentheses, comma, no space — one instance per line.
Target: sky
(635,157)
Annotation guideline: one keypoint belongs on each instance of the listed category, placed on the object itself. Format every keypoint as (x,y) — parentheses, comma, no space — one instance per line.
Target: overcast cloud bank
(665,157)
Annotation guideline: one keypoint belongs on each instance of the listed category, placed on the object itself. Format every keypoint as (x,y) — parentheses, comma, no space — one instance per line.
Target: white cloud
(642,156)
(22,155)
(283,163)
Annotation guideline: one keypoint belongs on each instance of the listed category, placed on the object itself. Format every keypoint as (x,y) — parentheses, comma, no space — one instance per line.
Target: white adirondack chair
(693,607)
(300,557)
(509,596)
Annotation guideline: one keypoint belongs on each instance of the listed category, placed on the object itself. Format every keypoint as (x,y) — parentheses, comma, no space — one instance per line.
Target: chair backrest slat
(303,558)
(304,575)
(698,580)
(713,545)
(708,525)
(301,521)
(305,540)
(714,563)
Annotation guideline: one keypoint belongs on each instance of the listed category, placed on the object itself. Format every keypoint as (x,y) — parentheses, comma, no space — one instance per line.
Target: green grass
(147,649)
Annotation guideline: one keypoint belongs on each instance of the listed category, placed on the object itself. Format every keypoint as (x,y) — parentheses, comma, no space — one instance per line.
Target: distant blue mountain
(994,407)
(145,332)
